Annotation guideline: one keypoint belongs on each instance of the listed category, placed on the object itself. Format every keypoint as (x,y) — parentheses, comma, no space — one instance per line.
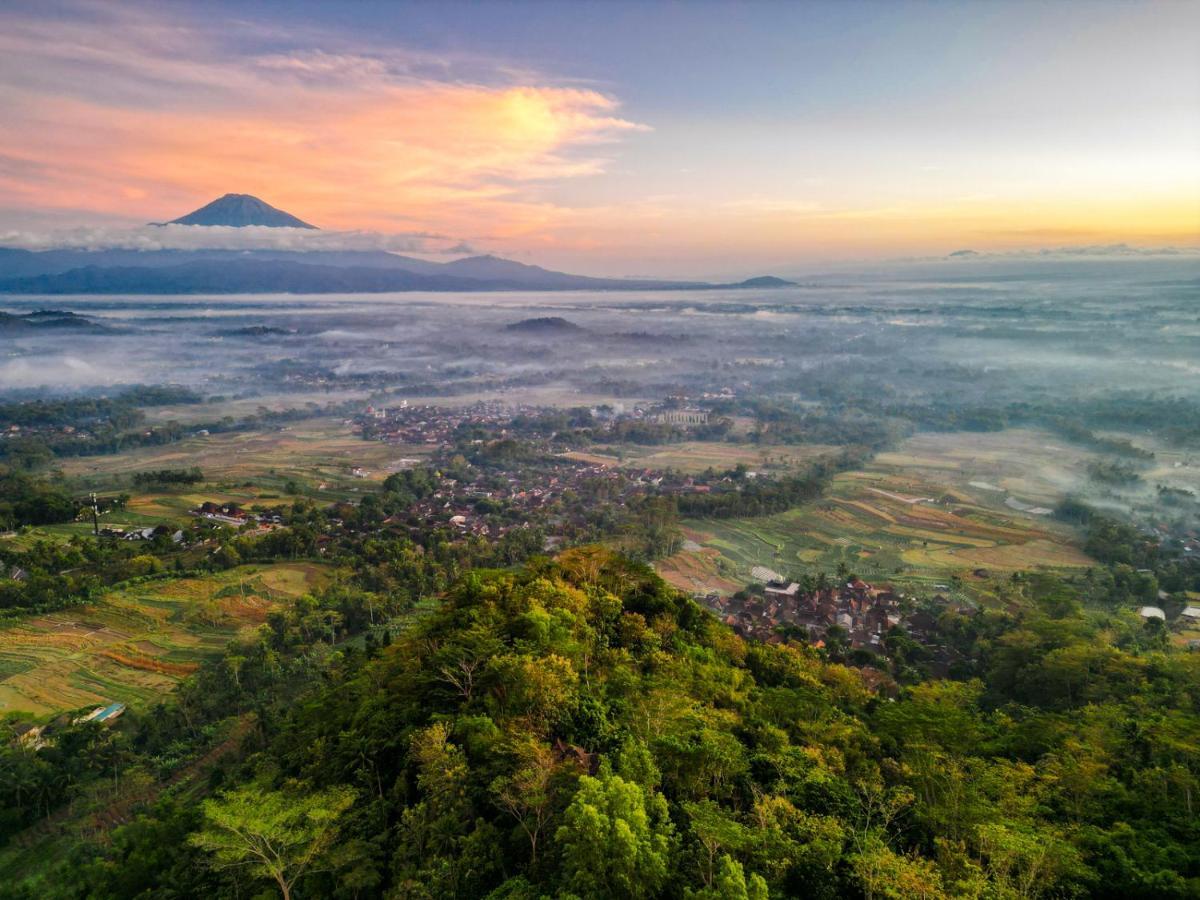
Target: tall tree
(272,834)
(616,839)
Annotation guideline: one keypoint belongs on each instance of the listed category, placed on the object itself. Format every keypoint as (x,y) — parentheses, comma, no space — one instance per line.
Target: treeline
(1078,433)
(766,496)
(123,410)
(49,575)
(832,423)
(1139,564)
(847,403)
(110,426)
(1113,472)
(166,477)
(29,500)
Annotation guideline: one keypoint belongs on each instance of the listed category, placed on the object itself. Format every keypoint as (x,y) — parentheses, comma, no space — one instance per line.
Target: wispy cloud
(113,111)
(187,237)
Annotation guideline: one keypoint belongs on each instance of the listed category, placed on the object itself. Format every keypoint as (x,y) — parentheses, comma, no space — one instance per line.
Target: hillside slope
(577,728)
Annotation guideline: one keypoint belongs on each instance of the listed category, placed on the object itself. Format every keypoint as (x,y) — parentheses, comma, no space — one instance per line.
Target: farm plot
(697,569)
(311,451)
(136,643)
(909,518)
(1029,465)
(698,456)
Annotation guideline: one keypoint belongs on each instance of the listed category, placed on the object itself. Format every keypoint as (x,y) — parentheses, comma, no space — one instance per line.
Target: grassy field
(698,456)
(321,449)
(1031,466)
(135,644)
(241,407)
(315,458)
(932,510)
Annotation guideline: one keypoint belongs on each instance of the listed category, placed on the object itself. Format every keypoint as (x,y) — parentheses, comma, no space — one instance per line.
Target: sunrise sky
(614,138)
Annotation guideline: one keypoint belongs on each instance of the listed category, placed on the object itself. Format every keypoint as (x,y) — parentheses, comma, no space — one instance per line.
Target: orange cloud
(115,112)
(351,158)
(137,119)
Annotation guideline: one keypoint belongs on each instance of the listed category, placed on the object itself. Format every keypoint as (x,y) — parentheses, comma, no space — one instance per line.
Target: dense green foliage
(577,728)
(165,477)
(25,500)
(761,497)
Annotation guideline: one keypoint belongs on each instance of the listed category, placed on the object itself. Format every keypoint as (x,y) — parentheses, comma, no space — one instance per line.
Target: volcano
(238,211)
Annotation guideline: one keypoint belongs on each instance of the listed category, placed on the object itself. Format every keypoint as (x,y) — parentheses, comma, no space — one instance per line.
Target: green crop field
(135,644)
(313,451)
(698,456)
(912,517)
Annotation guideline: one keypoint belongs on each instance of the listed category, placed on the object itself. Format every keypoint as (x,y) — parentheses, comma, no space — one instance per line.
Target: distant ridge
(250,271)
(764,281)
(238,211)
(544,325)
(46,319)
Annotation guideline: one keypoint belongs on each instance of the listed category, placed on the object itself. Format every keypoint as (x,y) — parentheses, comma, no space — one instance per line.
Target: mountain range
(289,271)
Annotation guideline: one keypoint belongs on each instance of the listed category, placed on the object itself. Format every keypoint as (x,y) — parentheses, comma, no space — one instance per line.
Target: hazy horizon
(615,139)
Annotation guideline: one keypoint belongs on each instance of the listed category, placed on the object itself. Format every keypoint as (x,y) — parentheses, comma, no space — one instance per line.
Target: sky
(669,139)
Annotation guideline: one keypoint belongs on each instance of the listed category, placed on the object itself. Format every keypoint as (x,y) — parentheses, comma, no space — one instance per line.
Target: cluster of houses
(864,613)
(518,488)
(433,425)
(437,425)
(1188,618)
(40,430)
(691,415)
(457,503)
(233,514)
(148,533)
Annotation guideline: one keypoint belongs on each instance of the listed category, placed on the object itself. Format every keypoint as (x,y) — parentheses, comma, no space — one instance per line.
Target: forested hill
(579,729)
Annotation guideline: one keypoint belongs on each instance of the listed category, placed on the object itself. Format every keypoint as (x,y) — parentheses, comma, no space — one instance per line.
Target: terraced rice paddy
(698,571)
(135,644)
(911,518)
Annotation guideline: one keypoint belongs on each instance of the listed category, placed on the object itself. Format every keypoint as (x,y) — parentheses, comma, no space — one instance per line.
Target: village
(440,426)
(491,470)
(854,615)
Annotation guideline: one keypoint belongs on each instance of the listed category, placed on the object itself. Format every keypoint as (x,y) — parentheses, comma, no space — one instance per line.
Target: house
(764,575)
(1152,612)
(102,714)
(1191,614)
(29,735)
(779,590)
(689,416)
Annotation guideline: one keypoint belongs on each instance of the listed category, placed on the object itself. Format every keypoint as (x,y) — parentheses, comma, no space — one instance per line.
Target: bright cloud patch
(346,141)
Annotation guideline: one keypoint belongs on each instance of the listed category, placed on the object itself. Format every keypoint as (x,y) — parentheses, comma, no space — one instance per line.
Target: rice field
(1031,466)
(312,452)
(135,644)
(911,517)
(697,570)
(698,456)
